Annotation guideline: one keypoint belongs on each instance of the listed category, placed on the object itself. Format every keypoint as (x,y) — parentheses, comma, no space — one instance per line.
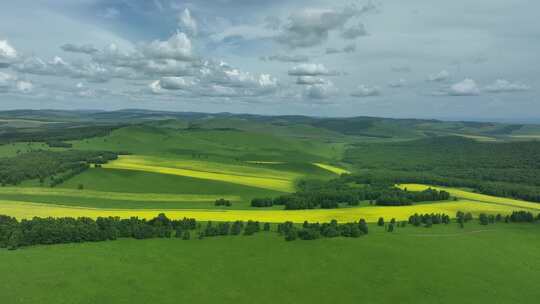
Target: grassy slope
(236,174)
(212,144)
(457,266)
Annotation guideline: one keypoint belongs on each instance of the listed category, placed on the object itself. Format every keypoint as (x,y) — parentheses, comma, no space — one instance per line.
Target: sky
(456,59)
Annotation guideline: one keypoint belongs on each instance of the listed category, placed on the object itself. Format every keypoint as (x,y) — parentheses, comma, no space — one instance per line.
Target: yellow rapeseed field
(332,169)
(261,178)
(145,197)
(461,194)
(371,214)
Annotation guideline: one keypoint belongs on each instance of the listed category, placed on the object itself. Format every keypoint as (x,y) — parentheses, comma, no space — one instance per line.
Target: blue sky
(419,58)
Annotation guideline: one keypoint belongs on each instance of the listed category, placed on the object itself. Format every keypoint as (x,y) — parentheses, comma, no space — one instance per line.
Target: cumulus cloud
(92,71)
(6,81)
(503,86)
(218,79)
(309,80)
(398,83)
(366,91)
(187,23)
(24,86)
(286,58)
(12,84)
(8,53)
(320,91)
(311,27)
(85,48)
(439,77)
(177,47)
(354,32)
(467,87)
(309,69)
(174,83)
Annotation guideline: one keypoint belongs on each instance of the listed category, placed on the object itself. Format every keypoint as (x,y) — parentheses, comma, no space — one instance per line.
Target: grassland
(213,145)
(477,264)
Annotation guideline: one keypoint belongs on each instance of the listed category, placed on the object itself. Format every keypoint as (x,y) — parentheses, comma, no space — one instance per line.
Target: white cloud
(467,87)
(439,77)
(6,81)
(24,86)
(92,71)
(7,53)
(217,79)
(503,86)
(311,27)
(366,91)
(187,23)
(11,83)
(166,67)
(174,83)
(178,47)
(320,91)
(309,69)
(309,80)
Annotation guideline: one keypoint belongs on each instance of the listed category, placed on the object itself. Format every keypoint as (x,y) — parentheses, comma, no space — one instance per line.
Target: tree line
(58,166)
(57,133)
(331,194)
(46,231)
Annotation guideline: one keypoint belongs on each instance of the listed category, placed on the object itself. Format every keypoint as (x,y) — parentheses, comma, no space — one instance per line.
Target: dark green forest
(510,169)
(57,166)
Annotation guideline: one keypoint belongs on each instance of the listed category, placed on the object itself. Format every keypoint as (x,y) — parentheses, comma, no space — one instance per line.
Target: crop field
(21,209)
(477,264)
(203,170)
(478,197)
(332,169)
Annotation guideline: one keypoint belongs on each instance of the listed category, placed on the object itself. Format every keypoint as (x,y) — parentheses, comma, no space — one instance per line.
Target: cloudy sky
(456,59)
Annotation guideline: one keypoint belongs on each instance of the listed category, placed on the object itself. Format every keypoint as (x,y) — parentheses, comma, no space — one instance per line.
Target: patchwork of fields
(243,175)
(371,214)
(182,172)
(108,192)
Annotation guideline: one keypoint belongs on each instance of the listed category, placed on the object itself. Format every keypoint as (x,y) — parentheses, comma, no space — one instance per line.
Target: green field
(477,264)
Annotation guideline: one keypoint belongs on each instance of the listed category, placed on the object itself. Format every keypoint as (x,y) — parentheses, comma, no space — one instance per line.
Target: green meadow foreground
(445,264)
